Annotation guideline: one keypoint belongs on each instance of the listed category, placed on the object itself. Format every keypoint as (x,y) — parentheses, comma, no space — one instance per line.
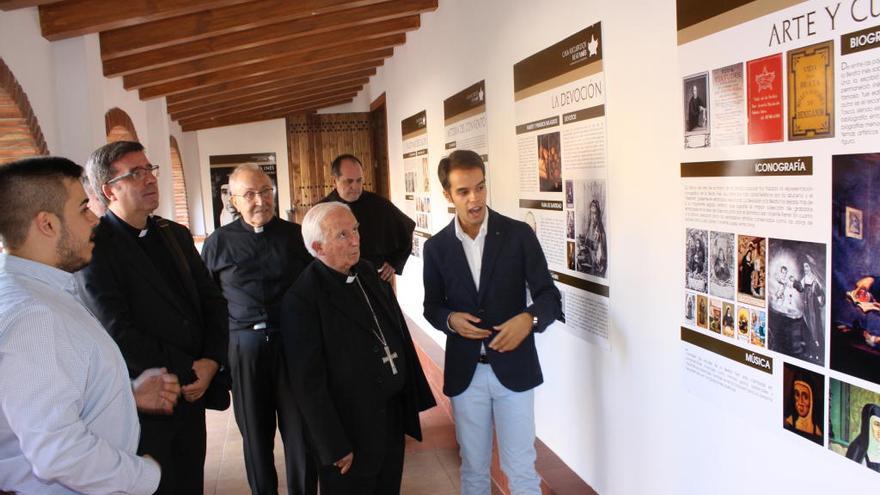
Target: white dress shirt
(473,248)
(68,420)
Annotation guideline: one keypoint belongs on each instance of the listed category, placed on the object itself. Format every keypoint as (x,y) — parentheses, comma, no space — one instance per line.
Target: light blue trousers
(486,401)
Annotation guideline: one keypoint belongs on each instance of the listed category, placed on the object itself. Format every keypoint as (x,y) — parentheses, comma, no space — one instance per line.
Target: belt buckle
(483,359)
(261,326)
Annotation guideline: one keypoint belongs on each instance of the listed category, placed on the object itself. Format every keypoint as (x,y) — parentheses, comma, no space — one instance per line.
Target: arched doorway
(119,126)
(20,134)
(178,184)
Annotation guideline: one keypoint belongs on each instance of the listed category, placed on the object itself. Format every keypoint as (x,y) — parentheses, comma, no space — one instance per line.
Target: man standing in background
(254,260)
(385,231)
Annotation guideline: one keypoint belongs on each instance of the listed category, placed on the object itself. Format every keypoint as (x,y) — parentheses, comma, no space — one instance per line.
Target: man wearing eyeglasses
(254,260)
(149,288)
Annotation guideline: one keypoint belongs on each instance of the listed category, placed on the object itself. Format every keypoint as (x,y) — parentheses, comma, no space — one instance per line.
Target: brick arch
(119,126)
(20,134)
(178,185)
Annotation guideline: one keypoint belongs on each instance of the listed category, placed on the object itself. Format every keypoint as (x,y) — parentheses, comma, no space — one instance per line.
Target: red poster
(765,83)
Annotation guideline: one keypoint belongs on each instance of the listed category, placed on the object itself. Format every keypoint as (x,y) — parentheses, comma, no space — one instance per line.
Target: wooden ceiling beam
(291,75)
(296,100)
(273,97)
(62,20)
(298,28)
(292,84)
(326,46)
(278,113)
(214,22)
(23,4)
(263,68)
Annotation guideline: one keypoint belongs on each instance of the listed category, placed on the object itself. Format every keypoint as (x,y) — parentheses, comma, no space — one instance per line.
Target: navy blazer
(512,262)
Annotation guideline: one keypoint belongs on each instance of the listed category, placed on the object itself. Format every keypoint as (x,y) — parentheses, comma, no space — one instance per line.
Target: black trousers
(177,442)
(261,393)
(387,480)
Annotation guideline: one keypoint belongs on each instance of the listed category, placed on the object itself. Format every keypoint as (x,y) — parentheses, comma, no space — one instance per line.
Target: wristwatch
(534,322)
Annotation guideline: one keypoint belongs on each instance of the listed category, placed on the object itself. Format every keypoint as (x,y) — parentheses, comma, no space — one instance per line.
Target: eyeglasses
(137,173)
(265,194)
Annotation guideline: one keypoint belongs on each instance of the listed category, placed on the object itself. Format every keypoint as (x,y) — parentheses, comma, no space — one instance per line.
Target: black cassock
(386,232)
(350,399)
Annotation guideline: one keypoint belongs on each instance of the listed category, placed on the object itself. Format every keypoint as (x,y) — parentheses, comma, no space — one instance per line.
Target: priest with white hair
(352,363)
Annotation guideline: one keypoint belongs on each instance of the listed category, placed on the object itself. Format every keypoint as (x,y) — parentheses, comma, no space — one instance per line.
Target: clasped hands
(511,333)
(156,391)
(205,369)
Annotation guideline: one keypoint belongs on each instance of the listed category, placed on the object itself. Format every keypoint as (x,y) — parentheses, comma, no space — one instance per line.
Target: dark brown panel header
(415,123)
(469,98)
(578,50)
(795,165)
(859,41)
(579,283)
(746,357)
(267,158)
(690,12)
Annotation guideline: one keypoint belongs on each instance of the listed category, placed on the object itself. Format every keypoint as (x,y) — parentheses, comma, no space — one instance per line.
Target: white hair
(244,168)
(313,223)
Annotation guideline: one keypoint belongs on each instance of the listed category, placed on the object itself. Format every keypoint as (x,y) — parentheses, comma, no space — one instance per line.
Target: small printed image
(727,320)
(854,225)
(742,324)
(803,399)
(758,327)
(854,287)
(695,90)
(721,259)
(422,221)
(590,219)
(752,270)
(715,315)
(569,254)
(410,181)
(549,163)
(426,178)
(416,247)
(569,224)
(797,299)
(702,311)
(854,423)
(569,194)
(696,264)
(690,308)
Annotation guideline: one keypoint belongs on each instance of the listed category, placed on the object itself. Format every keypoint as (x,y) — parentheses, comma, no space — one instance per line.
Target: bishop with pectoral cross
(351,359)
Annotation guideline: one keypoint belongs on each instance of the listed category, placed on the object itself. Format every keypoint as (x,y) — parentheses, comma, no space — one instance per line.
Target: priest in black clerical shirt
(354,368)
(386,232)
(254,260)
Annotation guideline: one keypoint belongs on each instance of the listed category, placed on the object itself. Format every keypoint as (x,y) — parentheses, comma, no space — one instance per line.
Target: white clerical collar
(258,230)
(351,278)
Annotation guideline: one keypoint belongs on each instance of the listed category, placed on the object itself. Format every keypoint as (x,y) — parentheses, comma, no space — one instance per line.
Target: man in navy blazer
(476,272)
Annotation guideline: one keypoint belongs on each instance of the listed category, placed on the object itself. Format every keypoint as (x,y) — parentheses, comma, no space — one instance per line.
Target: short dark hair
(98,164)
(337,163)
(459,160)
(28,187)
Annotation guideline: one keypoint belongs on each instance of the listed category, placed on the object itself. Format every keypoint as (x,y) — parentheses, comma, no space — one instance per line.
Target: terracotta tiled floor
(431,466)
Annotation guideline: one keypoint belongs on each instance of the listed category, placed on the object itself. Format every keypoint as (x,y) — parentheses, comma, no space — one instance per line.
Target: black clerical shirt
(392,384)
(255,268)
(386,232)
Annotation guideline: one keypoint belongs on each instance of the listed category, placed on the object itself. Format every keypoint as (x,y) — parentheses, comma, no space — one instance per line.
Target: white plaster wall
(269,136)
(621,419)
(29,56)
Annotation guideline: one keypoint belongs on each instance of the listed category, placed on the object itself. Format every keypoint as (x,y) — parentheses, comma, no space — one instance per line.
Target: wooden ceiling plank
(306,103)
(214,22)
(298,28)
(271,107)
(62,20)
(23,4)
(319,85)
(291,85)
(322,47)
(279,113)
(263,70)
(292,75)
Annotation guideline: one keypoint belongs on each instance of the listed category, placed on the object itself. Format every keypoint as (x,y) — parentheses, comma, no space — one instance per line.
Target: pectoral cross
(389,358)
